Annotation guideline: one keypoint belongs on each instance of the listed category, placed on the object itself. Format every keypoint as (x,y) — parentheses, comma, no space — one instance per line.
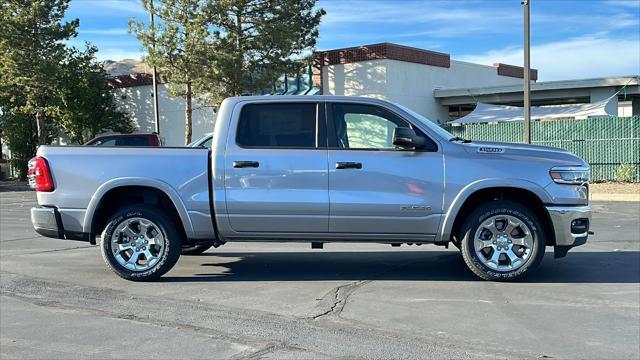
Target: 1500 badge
(490,150)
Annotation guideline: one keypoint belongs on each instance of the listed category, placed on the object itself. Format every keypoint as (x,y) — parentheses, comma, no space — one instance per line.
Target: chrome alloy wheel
(503,243)
(137,244)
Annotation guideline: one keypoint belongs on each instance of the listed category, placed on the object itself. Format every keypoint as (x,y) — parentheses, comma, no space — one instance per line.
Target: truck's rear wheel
(140,243)
(502,240)
(195,249)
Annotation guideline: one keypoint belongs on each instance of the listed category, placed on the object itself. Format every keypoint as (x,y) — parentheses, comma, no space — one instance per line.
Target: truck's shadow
(577,267)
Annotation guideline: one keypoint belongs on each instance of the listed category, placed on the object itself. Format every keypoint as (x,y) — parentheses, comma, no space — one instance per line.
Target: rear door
(375,188)
(276,169)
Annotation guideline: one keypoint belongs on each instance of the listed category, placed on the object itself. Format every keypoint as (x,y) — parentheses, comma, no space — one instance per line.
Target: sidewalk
(611,191)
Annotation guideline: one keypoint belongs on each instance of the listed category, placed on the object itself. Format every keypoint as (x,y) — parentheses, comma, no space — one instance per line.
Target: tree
(19,130)
(221,48)
(32,36)
(87,105)
(176,44)
(254,42)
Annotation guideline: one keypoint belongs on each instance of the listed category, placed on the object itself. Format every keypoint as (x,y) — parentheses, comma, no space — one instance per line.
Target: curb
(13,186)
(632,197)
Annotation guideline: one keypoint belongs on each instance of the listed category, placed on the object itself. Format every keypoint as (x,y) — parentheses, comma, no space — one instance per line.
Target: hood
(531,152)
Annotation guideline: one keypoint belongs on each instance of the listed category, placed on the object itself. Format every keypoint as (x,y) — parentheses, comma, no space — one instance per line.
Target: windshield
(428,123)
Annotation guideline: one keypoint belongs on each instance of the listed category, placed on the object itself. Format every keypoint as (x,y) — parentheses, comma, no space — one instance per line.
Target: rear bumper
(571,226)
(48,222)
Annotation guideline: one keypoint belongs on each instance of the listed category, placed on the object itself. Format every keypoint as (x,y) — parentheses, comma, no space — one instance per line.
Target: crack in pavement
(337,298)
(264,331)
(333,302)
(54,250)
(32,237)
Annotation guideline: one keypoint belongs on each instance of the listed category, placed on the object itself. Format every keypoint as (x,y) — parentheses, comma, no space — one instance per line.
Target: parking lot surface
(248,300)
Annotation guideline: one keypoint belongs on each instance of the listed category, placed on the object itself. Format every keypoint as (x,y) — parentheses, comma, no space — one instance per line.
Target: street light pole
(156,114)
(527,74)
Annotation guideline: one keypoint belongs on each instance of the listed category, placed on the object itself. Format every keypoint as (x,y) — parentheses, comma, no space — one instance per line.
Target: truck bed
(82,175)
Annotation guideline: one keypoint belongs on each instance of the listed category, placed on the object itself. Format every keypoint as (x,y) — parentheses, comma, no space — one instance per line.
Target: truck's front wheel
(502,240)
(140,243)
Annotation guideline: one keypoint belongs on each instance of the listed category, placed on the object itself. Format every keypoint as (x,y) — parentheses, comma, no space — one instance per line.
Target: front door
(276,169)
(374,187)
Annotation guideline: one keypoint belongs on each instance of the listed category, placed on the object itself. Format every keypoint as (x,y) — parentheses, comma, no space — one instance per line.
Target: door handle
(348,165)
(246,164)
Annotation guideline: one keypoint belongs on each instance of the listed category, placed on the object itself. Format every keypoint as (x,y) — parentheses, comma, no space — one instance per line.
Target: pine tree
(220,48)
(176,44)
(254,42)
(87,106)
(32,36)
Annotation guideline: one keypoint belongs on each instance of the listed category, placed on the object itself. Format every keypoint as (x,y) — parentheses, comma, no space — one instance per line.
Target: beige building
(134,94)
(443,89)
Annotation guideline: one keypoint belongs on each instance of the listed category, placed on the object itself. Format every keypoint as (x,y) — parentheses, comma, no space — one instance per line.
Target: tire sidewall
(166,226)
(502,208)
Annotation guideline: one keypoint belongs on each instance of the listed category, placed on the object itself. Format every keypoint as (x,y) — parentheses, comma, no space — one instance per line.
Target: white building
(134,94)
(443,89)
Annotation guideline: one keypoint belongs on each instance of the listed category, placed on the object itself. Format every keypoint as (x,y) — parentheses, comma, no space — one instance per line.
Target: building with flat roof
(133,94)
(443,89)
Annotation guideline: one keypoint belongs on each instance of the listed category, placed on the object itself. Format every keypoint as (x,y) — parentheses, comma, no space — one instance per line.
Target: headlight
(570,175)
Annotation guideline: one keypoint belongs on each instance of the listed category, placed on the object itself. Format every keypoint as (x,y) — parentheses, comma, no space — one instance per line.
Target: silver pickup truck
(316,169)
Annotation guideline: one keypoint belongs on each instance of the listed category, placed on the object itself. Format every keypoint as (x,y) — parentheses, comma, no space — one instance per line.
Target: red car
(148,139)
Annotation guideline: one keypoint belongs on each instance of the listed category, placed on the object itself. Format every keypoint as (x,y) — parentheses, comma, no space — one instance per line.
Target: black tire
(480,215)
(195,249)
(166,225)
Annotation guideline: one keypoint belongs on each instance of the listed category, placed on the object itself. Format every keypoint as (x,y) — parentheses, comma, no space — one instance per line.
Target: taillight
(44,182)
(31,166)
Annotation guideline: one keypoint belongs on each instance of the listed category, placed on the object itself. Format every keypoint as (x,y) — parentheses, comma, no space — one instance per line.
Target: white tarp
(487,113)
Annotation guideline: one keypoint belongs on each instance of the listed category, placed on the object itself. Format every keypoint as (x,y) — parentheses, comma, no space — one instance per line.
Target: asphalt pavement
(287,301)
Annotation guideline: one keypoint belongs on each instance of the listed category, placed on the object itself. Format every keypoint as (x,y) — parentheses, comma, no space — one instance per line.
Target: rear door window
(281,125)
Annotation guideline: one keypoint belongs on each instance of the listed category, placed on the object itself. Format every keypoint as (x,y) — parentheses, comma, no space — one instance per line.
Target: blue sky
(570,39)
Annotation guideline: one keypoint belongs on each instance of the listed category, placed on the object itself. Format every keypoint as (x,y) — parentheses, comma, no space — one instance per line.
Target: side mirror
(407,138)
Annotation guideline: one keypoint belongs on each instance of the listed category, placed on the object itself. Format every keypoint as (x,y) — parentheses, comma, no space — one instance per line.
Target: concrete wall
(138,102)
(409,84)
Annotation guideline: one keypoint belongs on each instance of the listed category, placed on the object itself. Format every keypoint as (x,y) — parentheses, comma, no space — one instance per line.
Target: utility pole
(527,73)
(156,114)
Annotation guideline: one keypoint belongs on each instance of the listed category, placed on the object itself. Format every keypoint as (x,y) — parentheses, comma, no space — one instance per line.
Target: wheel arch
(151,191)
(524,193)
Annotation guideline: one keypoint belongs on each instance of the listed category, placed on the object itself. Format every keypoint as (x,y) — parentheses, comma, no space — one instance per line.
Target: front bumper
(48,222)
(570,225)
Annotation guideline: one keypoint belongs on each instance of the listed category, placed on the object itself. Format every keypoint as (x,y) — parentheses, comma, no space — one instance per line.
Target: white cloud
(448,19)
(114,31)
(624,3)
(584,57)
(117,54)
(108,7)
(347,12)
